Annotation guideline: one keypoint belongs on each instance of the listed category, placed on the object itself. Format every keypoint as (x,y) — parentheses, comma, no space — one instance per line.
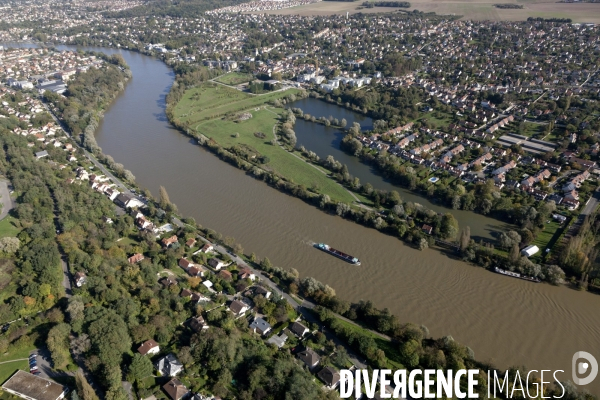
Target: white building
(530,250)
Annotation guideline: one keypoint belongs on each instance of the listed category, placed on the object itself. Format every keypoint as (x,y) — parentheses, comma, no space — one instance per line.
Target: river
(504,320)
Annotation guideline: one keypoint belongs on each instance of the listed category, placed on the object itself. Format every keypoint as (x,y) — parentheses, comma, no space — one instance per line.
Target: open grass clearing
(235,78)
(224,132)
(8,227)
(211,100)
(391,349)
(6,370)
(468,9)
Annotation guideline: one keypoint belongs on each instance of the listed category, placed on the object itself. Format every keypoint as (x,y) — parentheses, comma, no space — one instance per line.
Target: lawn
(235,78)
(6,370)
(548,237)
(281,161)
(211,100)
(530,129)
(391,351)
(8,227)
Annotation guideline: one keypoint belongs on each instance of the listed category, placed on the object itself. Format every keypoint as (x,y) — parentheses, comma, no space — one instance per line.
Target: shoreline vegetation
(411,346)
(125,305)
(86,99)
(410,222)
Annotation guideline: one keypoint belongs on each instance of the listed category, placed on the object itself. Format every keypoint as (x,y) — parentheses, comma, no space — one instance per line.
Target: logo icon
(581,367)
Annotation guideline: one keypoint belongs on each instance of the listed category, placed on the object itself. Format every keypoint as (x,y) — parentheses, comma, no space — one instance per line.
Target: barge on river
(516,275)
(341,255)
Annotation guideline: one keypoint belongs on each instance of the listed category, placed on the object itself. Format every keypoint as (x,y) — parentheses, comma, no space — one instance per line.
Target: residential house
(168,242)
(186,293)
(175,389)
(238,308)
(198,324)
(169,365)
(262,291)
(245,273)
(195,271)
(309,357)
(278,341)
(207,248)
(149,347)
(260,326)
(216,263)
(185,263)
(137,257)
(427,229)
(80,279)
(168,281)
(41,154)
(330,376)
(190,242)
(199,298)
(298,329)
(225,275)
(128,201)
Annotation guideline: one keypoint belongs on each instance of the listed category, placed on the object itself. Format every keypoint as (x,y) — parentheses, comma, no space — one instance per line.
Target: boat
(339,254)
(516,275)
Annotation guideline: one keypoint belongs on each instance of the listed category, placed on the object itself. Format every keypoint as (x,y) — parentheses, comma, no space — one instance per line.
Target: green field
(8,227)
(548,237)
(281,161)
(235,78)
(6,370)
(391,349)
(212,100)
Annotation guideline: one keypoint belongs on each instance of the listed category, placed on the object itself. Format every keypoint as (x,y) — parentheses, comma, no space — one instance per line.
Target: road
(588,209)
(90,156)
(5,199)
(305,308)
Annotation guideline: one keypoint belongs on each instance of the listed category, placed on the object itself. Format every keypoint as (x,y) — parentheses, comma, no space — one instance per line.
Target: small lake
(325,141)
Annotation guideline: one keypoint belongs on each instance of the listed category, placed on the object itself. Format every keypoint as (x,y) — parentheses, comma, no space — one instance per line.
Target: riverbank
(423,287)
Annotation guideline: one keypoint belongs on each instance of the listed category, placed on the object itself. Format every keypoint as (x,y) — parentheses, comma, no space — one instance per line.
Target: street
(303,309)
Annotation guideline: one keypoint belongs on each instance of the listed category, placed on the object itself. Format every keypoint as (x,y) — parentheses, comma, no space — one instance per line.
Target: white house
(149,347)
(169,365)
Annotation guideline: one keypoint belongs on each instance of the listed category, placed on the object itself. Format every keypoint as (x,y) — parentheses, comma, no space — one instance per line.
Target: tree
(164,201)
(84,389)
(9,244)
(554,274)
(465,238)
(58,344)
(514,255)
(140,367)
(110,338)
(409,353)
(508,239)
(449,227)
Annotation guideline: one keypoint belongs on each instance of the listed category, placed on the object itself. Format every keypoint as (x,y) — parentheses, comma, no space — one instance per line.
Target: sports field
(469,9)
